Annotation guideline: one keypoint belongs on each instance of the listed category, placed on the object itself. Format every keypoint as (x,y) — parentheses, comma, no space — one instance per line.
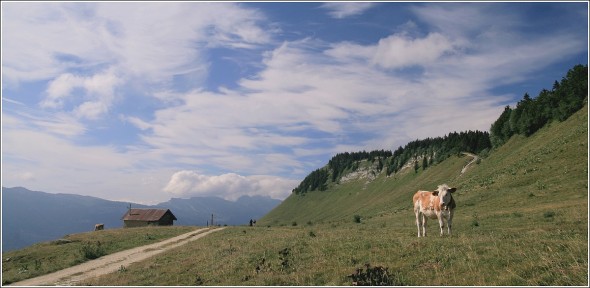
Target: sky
(147,101)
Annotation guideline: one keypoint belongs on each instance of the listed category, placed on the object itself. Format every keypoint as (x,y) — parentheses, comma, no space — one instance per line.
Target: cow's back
(422,197)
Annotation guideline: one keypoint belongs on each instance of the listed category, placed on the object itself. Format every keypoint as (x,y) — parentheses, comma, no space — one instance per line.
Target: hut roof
(136,214)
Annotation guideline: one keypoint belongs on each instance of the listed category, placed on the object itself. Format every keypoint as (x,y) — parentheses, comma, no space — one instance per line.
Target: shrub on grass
(92,250)
(357,218)
(374,276)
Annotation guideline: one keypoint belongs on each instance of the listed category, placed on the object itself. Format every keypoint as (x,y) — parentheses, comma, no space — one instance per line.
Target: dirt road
(470,162)
(113,262)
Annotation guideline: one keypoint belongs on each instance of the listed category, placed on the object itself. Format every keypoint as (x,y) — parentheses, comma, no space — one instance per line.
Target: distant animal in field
(438,204)
(98,227)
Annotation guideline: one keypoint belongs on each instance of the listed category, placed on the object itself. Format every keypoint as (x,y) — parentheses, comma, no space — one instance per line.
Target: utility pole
(211,219)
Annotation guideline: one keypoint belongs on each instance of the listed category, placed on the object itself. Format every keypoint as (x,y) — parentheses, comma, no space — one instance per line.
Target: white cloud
(44,160)
(60,124)
(99,87)
(228,186)
(467,22)
(60,88)
(57,124)
(398,51)
(136,44)
(142,125)
(341,10)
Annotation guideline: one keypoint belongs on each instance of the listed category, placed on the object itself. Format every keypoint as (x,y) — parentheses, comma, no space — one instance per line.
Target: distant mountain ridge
(30,217)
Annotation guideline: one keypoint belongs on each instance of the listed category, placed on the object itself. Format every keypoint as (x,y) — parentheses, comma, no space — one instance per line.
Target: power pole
(211,219)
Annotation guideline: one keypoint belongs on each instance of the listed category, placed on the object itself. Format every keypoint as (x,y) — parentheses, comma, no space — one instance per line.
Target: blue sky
(147,101)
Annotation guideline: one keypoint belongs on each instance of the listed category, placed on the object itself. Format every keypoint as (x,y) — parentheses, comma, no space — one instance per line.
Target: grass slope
(521,220)
(548,167)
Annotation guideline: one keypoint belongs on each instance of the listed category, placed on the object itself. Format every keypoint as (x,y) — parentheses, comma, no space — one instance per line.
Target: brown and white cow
(98,227)
(434,204)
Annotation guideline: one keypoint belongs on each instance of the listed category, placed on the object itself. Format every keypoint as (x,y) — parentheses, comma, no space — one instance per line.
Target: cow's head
(444,194)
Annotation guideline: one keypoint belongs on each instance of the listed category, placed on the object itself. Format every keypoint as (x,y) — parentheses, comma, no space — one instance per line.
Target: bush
(286,258)
(357,218)
(374,276)
(92,250)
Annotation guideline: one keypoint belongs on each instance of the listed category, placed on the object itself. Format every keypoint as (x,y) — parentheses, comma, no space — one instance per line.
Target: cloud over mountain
(229,186)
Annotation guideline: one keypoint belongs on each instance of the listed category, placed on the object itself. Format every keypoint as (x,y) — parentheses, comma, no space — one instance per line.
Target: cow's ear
(452,190)
(435,192)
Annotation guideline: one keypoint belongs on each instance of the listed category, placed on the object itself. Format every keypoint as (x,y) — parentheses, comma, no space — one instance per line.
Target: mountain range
(30,217)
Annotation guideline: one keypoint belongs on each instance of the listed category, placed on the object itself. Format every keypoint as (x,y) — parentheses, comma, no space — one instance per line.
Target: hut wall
(131,224)
(166,220)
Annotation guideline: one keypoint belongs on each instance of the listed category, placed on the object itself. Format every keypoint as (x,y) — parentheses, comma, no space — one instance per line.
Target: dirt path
(471,162)
(113,262)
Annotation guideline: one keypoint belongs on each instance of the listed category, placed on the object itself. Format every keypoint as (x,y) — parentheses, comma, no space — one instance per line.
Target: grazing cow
(98,227)
(436,204)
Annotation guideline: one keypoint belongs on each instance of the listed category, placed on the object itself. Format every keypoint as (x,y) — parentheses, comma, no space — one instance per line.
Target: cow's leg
(424,220)
(418,222)
(441,223)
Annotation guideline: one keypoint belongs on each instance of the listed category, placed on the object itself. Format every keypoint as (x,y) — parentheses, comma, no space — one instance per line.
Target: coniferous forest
(530,114)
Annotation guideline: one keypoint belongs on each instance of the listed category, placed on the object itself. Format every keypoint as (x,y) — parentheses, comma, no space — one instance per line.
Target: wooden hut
(148,217)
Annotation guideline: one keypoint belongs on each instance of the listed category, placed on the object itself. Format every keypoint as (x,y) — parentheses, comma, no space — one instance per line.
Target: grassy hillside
(44,258)
(541,165)
(521,219)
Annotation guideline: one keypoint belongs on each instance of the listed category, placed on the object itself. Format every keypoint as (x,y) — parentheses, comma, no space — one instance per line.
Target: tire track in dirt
(113,262)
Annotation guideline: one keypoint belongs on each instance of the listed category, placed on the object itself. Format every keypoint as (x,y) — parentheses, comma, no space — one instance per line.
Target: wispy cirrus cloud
(113,46)
(341,10)
(82,35)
